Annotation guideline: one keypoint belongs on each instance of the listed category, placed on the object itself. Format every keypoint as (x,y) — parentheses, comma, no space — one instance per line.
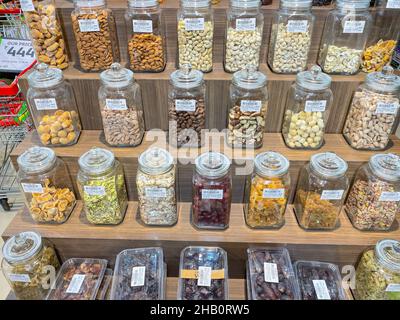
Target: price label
(154,192)
(142,26)
(185,105)
(386,108)
(250,106)
(27,5)
(315,106)
(297,26)
(274,193)
(46,104)
(332,194)
(354,26)
(32,187)
(393,4)
(19,278)
(390,196)
(212,194)
(321,290)
(393,287)
(95,190)
(16,55)
(89,25)
(271,272)
(116,104)
(76,283)
(138,276)
(204,279)
(246,24)
(194,24)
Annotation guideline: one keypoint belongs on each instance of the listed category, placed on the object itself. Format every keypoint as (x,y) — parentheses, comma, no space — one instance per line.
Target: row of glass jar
(32,269)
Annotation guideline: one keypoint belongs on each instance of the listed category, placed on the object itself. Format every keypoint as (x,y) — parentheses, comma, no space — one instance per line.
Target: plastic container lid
(313,79)
(186,77)
(249,78)
(22,246)
(356,4)
(37,159)
(328,165)
(96,161)
(387,252)
(296,3)
(195,3)
(45,77)
(386,166)
(384,80)
(155,161)
(89,3)
(245,3)
(271,164)
(142,4)
(116,76)
(212,164)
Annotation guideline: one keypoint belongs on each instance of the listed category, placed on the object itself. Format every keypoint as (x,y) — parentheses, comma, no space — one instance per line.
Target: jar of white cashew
(373,111)
(195,34)
(290,39)
(244,33)
(307,110)
(344,37)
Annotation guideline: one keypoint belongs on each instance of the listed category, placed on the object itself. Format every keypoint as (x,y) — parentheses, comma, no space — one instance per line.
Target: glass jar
(46,33)
(145,34)
(102,188)
(321,192)
(186,107)
(46,185)
(267,191)
(95,34)
(212,191)
(29,265)
(378,272)
(248,108)
(344,37)
(244,34)
(291,35)
(374,198)
(156,187)
(121,107)
(307,110)
(53,107)
(195,34)
(373,111)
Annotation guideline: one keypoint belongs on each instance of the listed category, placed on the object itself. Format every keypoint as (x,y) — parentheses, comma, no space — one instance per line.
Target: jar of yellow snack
(267,191)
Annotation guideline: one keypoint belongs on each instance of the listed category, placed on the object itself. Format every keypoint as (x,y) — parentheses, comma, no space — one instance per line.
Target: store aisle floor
(5,219)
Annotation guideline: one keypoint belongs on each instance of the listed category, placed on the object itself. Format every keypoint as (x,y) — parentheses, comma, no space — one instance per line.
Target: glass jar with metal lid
(53,107)
(212,191)
(121,107)
(156,185)
(248,108)
(267,191)
(186,107)
(102,187)
(378,272)
(374,111)
(374,198)
(29,265)
(321,192)
(46,185)
(307,110)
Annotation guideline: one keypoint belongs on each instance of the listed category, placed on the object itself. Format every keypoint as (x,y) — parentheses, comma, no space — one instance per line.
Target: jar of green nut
(378,272)
(102,188)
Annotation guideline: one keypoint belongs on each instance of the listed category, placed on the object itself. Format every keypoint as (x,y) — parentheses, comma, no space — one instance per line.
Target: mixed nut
(341,60)
(146,52)
(378,55)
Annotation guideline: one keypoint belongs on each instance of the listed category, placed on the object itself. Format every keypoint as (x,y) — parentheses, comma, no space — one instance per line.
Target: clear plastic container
(244,35)
(102,188)
(291,34)
(307,110)
(212,191)
(46,185)
(270,275)
(105,288)
(319,280)
(78,279)
(139,274)
(374,111)
(121,107)
(321,192)
(203,274)
(267,191)
(53,107)
(374,198)
(27,262)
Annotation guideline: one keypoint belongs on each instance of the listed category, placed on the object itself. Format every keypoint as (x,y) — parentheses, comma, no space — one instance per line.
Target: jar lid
(22,247)
(96,161)
(116,76)
(296,3)
(212,164)
(44,77)
(387,252)
(354,4)
(271,164)
(384,80)
(186,77)
(313,79)
(89,3)
(155,161)
(246,3)
(386,166)
(328,165)
(36,159)
(142,4)
(249,78)
(195,3)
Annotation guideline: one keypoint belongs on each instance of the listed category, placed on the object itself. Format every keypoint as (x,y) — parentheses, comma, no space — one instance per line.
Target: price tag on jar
(89,25)
(393,287)
(274,193)
(138,276)
(16,55)
(32,187)
(386,108)
(95,190)
(212,194)
(185,105)
(194,24)
(142,26)
(154,192)
(46,104)
(19,278)
(297,26)
(352,26)
(332,194)
(321,290)
(393,4)
(315,106)
(250,106)
(116,104)
(76,283)
(389,196)
(271,272)
(248,24)
(204,279)
(27,5)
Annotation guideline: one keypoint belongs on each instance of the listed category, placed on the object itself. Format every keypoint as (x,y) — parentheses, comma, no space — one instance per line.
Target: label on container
(271,272)
(19,277)
(386,107)
(297,26)
(194,24)
(204,279)
(143,26)
(95,190)
(321,290)
(332,194)
(116,104)
(154,192)
(185,105)
(393,4)
(89,25)
(138,276)
(390,196)
(274,193)
(250,106)
(352,26)
(32,187)
(212,194)
(194,274)
(76,283)
(46,104)
(248,24)
(393,287)
(27,5)
(315,106)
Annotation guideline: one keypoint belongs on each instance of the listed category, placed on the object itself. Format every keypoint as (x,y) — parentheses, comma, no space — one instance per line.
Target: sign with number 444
(16,55)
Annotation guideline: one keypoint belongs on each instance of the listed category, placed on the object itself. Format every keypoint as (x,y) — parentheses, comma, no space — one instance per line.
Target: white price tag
(393,4)
(16,55)
(297,26)
(250,106)
(315,106)
(194,24)
(76,283)
(32,187)
(185,105)
(274,193)
(248,24)
(116,104)
(27,5)
(89,25)
(154,192)
(386,108)
(390,196)
(332,194)
(204,279)
(271,272)
(212,194)
(138,276)
(19,278)
(46,104)
(95,190)
(321,290)
(354,26)
(393,287)
(143,26)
